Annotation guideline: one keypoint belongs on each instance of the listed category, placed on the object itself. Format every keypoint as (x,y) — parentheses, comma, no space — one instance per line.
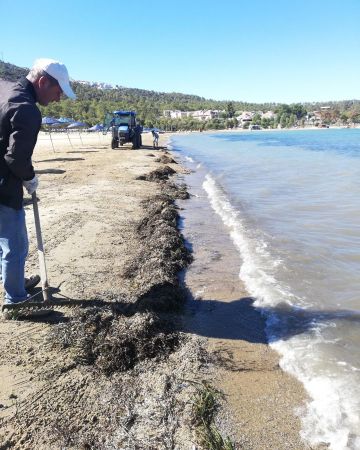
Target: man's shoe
(31,282)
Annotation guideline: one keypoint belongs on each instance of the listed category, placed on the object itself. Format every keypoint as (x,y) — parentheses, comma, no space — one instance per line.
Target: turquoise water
(290,201)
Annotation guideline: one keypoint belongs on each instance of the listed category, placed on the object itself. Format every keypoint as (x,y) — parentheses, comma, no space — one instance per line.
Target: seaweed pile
(116,339)
(165,159)
(154,268)
(111,343)
(118,379)
(157,175)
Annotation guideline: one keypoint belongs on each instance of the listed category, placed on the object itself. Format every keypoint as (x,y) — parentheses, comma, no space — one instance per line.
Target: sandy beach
(123,372)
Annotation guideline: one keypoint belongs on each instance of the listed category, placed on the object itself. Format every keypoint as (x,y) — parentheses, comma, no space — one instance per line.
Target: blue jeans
(14,247)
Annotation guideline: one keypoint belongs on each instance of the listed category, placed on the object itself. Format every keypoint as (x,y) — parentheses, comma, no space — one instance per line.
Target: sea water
(290,200)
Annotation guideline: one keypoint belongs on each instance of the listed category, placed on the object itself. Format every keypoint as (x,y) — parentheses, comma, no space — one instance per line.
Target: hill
(10,72)
(92,103)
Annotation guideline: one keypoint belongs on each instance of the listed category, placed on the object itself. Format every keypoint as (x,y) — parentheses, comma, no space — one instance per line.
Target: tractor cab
(124,128)
(120,118)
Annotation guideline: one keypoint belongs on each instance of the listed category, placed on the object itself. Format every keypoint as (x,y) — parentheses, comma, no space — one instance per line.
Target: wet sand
(262,403)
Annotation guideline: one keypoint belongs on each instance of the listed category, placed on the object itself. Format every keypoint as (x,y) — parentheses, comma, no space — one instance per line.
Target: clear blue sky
(253,50)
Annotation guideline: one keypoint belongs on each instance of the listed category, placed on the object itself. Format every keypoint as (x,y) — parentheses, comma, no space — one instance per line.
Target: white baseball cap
(58,71)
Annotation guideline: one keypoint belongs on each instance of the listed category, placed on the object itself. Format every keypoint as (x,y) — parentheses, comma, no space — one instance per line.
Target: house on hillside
(313,118)
(175,114)
(245,117)
(95,84)
(268,115)
(201,115)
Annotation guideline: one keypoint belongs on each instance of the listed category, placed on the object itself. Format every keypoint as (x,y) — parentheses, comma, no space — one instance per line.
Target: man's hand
(31,185)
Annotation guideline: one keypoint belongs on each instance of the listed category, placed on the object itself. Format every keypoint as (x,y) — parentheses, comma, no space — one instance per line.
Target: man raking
(20,122)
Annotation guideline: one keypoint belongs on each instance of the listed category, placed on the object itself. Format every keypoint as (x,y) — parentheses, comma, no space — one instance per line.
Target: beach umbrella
(97,127)
(56,125)
(77,125)
(65,120)
(62,122)
(49,121)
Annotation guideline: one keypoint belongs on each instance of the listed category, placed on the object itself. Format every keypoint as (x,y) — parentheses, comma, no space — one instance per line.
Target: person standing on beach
(20,122)
(155,135)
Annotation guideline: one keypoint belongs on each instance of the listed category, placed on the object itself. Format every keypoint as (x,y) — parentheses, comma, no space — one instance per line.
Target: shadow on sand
(241,320)
(234,320)
(54,171)
(61,159)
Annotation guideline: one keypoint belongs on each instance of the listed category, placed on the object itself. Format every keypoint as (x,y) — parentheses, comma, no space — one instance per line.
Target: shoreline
(301,348)
(263,402)
(264,130)
(108,232)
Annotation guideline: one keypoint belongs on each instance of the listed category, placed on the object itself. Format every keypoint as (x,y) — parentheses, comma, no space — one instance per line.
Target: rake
(40,247)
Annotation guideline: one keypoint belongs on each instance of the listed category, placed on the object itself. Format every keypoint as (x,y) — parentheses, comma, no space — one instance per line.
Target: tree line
(92,103)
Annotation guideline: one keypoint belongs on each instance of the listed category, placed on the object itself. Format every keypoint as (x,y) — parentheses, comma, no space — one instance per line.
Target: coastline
(99,216)
(263,403)
(264,130)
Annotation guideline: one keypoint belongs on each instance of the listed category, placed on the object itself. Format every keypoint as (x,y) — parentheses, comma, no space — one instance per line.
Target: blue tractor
(124,128)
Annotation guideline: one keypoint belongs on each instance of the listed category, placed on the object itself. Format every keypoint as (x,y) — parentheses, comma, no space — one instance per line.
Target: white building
(245,117)
(176,114)
(103,86)
(201,115)
(268,115)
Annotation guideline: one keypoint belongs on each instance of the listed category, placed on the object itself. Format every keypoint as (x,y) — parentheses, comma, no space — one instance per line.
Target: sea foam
(332,414)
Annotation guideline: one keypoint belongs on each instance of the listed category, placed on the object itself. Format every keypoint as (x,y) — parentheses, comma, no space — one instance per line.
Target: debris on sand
(119,376)
(158,175)
(178,191)
(164,159)
(111,343)
(163,252)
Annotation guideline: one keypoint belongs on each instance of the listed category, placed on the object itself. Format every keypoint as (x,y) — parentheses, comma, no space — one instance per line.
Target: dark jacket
(20,122)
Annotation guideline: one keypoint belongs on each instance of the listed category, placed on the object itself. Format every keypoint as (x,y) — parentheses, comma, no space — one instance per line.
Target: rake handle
(40,247)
